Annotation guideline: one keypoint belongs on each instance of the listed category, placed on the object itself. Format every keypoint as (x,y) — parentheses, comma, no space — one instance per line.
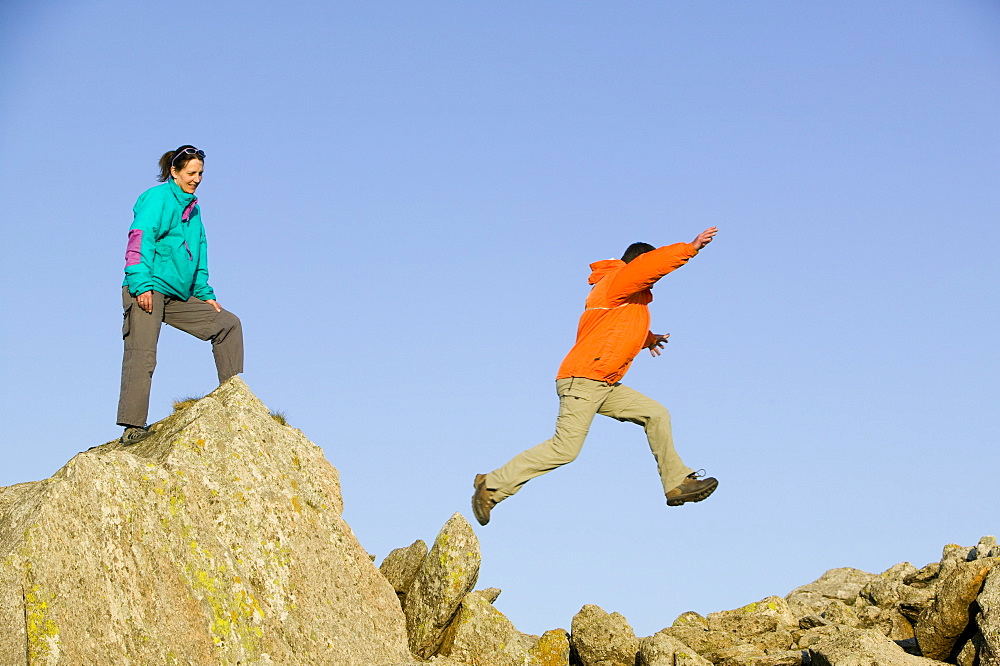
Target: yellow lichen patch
(43,634)
(296,504)
(200,443)
(232,611)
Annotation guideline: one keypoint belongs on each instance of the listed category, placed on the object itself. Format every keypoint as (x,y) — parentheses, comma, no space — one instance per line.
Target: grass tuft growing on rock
(185,402)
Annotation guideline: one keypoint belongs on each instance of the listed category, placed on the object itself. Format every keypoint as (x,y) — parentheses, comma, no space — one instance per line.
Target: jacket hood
(602,268)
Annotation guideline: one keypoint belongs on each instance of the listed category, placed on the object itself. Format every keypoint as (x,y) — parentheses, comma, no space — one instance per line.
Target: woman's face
(188,177)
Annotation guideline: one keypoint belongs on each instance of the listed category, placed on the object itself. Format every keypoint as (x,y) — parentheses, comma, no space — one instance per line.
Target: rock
(847,646)
(925,576)
(552,649)
(987,547)
(900,628)
(691,619)
(988,619)
(812,621)
(445,577)
(837,612)
(767,623)
(739,654)
(888,588)
(939,626)
(968,655)
(804,638)
(484,636)
(602,639)
(785,658)
(661,649)
(401,565)
(844,584)
(703,641)
(952,555)
(217,540)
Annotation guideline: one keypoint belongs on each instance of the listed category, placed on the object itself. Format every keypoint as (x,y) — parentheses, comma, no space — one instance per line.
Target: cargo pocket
(574,388)
(127,323)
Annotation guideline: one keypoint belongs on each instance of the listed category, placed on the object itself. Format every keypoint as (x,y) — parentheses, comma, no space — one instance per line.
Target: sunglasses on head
(200,154)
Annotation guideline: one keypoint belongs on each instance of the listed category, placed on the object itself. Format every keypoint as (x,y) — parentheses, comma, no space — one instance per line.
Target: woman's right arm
(142,235)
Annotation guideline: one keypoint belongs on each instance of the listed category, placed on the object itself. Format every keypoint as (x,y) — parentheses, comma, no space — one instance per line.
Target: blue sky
(402,200)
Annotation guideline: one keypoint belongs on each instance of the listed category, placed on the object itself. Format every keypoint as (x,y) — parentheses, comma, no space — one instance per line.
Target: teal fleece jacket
(167,251)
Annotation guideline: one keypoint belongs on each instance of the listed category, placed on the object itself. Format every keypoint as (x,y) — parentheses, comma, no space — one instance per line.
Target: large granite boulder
(988,620)
(766,624)
(400,567)
(599,638)
(847,646)
(552,649)
(843,584)
(942,623)
(446,575)
(482,635)
(217,540)
(661,649)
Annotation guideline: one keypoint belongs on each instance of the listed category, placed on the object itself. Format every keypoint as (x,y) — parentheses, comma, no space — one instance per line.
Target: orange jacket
(614,327)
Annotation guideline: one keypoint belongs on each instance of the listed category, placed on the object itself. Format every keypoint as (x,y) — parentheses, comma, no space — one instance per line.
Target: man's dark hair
(635,249)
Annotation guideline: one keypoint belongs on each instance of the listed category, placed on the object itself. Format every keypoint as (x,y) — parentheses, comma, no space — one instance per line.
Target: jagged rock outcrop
(218,540)
(481,634)
(552,649)
(446,575)
(661,649)
(843,584)
(860,647)
(598,638)
(941,624)
(400,567)
(769,623)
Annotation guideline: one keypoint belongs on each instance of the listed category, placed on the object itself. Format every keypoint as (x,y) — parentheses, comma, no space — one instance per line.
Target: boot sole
(693,497)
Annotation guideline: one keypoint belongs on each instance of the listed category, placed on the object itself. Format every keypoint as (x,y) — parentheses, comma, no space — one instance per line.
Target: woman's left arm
(202,289)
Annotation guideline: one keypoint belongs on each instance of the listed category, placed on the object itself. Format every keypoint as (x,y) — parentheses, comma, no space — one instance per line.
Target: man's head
(634,250)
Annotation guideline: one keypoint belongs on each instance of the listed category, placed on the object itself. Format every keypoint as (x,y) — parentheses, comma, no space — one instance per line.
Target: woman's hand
(214,304)
(145,301)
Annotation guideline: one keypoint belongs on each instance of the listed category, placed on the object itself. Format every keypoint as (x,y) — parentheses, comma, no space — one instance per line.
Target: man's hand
(214,304)
(704,238)
(657,344)
(145,301)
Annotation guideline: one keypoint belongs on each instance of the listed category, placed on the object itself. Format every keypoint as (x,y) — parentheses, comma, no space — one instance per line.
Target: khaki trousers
(141,332)
(579,400)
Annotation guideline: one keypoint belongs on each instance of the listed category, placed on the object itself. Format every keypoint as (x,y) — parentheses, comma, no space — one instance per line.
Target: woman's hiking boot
(482,500)
(692,489)
(134,435)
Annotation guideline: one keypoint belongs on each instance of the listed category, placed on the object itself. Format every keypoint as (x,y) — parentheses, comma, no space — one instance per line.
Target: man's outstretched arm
(643,271)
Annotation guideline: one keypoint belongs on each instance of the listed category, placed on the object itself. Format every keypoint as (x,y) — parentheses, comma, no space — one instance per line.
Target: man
(614,328)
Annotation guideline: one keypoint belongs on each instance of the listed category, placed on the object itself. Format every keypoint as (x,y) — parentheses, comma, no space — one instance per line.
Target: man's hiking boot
(692,489)
(134,435)
(482,500)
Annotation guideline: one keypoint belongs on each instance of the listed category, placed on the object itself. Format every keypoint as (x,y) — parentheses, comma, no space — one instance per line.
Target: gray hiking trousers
(141,331)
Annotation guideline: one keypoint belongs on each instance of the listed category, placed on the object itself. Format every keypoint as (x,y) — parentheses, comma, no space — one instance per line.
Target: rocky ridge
(219,540)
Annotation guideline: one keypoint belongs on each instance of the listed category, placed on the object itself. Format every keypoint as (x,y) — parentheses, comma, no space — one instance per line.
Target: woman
(166,280)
